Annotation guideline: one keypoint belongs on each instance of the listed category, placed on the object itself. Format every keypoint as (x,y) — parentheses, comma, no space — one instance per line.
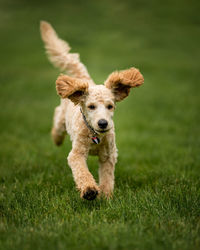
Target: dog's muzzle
(102,124)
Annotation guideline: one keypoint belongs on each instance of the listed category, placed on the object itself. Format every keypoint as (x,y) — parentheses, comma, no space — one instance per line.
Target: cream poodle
(85,114)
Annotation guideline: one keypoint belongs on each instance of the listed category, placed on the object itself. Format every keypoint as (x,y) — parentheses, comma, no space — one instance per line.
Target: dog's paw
(57,136)
(106,192)
(90,193)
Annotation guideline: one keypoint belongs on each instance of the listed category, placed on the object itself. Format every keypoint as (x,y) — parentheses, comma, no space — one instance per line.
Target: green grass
(156,204)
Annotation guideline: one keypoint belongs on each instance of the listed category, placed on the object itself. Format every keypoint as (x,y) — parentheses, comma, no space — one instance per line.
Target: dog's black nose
(102,123)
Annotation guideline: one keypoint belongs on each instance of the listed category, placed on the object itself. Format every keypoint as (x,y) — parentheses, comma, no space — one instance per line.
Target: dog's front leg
(82,177)
(106,177)
(107,160)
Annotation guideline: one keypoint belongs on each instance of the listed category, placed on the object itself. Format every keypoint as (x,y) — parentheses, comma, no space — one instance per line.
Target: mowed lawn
(156,203)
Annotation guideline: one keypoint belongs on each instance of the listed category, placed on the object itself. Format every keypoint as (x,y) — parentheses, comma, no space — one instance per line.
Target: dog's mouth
(103,130)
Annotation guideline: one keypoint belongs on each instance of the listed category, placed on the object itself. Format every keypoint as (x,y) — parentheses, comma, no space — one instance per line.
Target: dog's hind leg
(58,131)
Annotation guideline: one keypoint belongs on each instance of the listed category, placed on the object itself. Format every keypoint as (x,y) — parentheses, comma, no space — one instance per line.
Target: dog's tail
(58,53)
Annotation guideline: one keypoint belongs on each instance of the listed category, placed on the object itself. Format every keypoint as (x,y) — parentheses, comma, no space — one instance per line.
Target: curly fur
(72,88)
(58,53)
(98,103)
(120,82)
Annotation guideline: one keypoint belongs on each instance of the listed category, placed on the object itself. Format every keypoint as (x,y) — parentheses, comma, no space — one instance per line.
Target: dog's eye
(109,106)
(91,106)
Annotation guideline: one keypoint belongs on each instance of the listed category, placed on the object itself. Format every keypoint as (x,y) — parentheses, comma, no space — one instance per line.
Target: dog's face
(98,101)
(98,108)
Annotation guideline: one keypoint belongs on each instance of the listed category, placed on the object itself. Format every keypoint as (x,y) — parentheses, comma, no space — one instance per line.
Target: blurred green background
(156,204)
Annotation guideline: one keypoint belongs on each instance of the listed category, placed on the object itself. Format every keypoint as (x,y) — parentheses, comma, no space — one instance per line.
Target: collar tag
(95,139)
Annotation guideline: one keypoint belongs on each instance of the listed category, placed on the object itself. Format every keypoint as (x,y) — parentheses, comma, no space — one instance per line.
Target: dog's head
(98,101)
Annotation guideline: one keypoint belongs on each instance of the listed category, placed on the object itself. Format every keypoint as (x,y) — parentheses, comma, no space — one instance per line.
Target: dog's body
(85,114)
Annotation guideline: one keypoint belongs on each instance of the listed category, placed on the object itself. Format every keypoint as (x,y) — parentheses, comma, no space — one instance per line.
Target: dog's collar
(95,137)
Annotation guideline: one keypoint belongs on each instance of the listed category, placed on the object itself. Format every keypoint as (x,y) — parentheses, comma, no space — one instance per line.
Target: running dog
(85,114)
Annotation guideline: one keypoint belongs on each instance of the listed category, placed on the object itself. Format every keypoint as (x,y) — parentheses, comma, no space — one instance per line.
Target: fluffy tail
(58,53)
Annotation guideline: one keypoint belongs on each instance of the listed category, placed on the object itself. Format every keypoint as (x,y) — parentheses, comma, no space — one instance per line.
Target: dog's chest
(94,148)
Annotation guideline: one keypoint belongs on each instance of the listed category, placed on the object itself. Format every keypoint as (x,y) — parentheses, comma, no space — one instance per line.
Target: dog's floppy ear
(120,82)
(72,88)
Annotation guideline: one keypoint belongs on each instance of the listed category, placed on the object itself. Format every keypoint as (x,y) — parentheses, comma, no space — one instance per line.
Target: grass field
(156,204)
